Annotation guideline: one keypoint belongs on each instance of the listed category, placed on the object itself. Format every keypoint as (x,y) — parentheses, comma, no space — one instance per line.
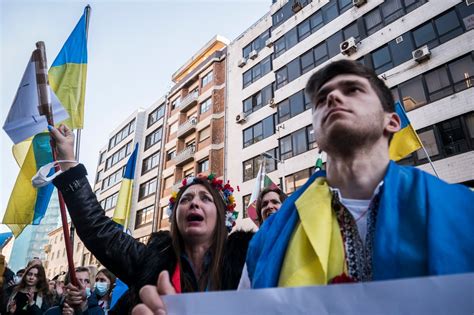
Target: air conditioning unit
(296,6)
(421,54)
(358,3)
(242,62)
(269,43)
(349,46)
(253,54)
(240,118)
(272,103)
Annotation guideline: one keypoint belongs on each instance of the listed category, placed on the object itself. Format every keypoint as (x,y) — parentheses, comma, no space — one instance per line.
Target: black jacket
(134,263)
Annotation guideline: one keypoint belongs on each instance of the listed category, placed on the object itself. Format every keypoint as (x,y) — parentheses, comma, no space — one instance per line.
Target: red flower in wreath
(342,278)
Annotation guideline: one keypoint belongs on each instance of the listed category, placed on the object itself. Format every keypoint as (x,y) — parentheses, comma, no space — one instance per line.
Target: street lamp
(269,156)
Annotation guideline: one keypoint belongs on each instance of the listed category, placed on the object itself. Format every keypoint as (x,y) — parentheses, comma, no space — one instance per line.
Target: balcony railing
(188,101)
(185,155)
(187,127)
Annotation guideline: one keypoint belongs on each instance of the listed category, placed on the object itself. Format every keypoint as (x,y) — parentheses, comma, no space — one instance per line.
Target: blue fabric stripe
(43,156)
(75,48)
(403,116)
(132,161)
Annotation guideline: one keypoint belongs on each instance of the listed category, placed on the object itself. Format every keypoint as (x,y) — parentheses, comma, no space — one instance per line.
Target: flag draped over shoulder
(405,141)
(67,75)
(27,204)
(23,120)
(124,200)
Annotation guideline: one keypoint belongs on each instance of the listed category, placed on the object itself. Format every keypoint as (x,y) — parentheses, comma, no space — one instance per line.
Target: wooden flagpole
(45,109)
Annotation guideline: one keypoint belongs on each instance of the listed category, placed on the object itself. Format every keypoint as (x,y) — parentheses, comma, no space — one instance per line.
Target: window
(259,131)
(122,134)
(109,202)
(257,44)
(245,204)
(452,137)
(146,189)
(119,155)
(102,157)
(99,176)
(281,77)
(150,162)
(412,92)
(429,142)
(391,10)
(168,182)
(257,71)
(297,142)
(153,138)
(285,12)
(203,166)
(316,21)
(113,179)
(204,134)
(381,60)
(174,104)
(291,107)
(401,51)
(448,26)
(252,166)
(330,11)
(333,44)
(188,172)
(296,180)
(307,61)
(425,35)
(320,54)
(462,72)
(373,21)
(304,30)
(144,216)
(206,105)
(207,79)
(170,154)
(438,84)
(258,100)
(156,115)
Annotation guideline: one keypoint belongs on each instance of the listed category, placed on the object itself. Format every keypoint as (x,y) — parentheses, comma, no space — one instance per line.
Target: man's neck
(357,175)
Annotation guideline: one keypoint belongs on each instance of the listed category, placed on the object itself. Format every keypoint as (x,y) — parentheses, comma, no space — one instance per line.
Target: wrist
(67,165)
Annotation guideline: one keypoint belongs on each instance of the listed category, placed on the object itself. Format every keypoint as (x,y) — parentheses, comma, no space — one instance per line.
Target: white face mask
(42,179)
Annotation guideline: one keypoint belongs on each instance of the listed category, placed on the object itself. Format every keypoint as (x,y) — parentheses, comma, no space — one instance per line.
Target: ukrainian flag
(124,200)
(405,141)
(27,204)
(67,75)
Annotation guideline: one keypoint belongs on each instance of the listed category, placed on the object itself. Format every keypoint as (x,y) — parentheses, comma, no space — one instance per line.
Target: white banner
(452,294)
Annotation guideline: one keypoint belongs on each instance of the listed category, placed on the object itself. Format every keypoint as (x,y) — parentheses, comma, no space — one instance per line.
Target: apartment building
(194,135)
(422,49)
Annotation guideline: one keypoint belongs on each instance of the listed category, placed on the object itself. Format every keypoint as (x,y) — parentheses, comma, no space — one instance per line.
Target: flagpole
(79,131)
(45,109)
(429,159)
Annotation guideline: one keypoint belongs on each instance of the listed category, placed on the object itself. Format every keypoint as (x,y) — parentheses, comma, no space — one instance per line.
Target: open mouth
(194,217)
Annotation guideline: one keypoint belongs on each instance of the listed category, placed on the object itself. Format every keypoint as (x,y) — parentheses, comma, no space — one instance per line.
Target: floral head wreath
(225,190)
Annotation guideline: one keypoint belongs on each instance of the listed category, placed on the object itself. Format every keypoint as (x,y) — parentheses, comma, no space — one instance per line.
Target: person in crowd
(366,218)
(195,255)
(6,286)
(104,283)
(78,300)
(268,202)
(34,261)
(31,295)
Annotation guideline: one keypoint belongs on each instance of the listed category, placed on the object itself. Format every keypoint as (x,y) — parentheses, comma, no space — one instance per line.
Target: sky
(133,49)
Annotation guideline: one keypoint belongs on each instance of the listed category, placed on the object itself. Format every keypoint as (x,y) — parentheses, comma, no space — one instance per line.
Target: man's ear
(392,122)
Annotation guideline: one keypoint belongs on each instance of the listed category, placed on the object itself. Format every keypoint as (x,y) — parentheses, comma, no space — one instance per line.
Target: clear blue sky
(134,47)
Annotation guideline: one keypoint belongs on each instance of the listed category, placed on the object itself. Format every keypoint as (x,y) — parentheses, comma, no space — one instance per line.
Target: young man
(365,218)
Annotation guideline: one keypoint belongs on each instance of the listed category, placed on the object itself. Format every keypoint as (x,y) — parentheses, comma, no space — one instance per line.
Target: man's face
(83,279)
(347,113)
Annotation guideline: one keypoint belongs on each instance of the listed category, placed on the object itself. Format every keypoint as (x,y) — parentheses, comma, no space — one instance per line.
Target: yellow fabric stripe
(69,83)
(315,253)
(21,205)
(403,143)
(124,202)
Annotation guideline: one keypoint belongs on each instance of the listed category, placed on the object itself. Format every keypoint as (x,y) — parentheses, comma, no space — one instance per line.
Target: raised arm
(116,250)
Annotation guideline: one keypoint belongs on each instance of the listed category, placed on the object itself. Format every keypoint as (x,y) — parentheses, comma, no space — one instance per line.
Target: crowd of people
(363,218)
(28,291)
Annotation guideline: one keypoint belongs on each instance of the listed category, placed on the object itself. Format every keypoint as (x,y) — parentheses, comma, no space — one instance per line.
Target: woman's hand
(67,310)
(11,307)
(150,296)
(31,297)
(64,145)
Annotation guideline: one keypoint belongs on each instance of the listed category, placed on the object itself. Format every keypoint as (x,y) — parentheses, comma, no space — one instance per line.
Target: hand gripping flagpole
(45,109)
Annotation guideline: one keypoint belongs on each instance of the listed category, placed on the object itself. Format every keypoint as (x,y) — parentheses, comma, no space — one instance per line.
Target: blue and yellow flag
(405,141)
(124,200)
(67,75)
(27,204)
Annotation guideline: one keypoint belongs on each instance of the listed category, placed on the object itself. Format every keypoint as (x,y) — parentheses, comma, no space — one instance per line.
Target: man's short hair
(67,280)
(346,66)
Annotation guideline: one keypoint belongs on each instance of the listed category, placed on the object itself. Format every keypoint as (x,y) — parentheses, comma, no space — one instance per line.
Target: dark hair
(346,66)
(213,276)
(265,191)
(109,275)
(42,284)
(22,271)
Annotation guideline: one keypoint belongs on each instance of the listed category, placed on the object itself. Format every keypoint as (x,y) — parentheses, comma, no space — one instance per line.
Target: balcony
(185,156)
(186,128)
(188,101)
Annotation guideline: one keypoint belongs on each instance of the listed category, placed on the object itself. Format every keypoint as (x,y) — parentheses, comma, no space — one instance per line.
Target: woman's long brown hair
(41,286)
(213,276)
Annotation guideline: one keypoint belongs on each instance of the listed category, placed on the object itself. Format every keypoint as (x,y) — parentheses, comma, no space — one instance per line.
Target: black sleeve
(116,250)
